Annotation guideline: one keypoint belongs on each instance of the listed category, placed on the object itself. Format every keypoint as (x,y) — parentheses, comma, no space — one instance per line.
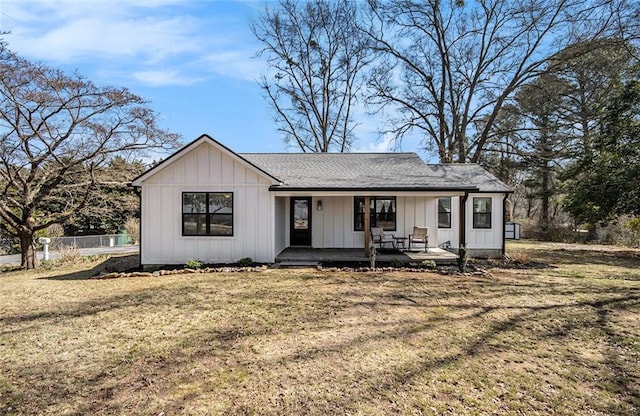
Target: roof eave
(374,189)
(137,182)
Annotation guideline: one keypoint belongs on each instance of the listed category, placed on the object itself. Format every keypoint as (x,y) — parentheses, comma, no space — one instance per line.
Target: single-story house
(209,203)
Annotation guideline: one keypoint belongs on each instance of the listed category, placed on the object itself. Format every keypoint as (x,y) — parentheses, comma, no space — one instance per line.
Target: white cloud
(236,64)
(371,144)
(164,78)
(99,34)
(147,37)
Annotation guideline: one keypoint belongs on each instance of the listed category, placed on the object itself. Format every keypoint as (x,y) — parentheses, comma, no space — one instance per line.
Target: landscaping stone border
(227,269)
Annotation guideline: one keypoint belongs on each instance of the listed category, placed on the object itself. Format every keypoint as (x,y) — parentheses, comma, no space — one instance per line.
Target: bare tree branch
(316,56)
(455,62)
(57,131)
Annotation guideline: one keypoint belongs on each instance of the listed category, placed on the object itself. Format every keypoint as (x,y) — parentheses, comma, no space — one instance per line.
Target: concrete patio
(293,256)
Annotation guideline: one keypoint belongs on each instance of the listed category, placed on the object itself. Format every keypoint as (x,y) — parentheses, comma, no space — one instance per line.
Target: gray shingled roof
(375,171)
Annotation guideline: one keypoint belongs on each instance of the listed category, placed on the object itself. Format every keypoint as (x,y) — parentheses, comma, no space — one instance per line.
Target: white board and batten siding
(206,168)
(486,242)
(451,236)
(333,226)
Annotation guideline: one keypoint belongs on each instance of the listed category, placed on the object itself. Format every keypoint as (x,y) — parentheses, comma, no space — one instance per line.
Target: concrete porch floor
(302,255)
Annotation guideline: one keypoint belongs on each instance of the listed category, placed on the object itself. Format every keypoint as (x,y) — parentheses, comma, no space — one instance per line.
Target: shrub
(47,264)
(54,232)
(245,262)
(193,264)
(620,232)
(69,254)
(634,226)
(519,256)
(429,264)
(132,226)
(396,263)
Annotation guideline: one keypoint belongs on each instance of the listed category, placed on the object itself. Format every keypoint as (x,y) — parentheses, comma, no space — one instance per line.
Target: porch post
(367,225)
(463,220)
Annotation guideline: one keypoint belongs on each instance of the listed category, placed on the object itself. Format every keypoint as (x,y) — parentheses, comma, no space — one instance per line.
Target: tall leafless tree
(448,66)
(56,132)
(316,55)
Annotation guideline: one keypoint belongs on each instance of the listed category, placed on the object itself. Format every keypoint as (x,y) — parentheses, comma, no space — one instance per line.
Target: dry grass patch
(524,341)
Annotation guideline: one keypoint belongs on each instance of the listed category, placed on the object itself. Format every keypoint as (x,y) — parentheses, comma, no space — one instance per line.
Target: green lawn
(559,334)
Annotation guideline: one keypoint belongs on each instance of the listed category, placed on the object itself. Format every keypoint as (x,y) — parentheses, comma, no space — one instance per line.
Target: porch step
(295,264)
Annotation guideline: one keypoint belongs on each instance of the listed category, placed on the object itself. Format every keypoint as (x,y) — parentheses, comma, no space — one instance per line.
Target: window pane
(482,205)
(194,202)
(301,214)
(359,222)
(221,224)
(221,213)
(220,203)
(482,220)
(386,213)
(444,204)
(194,224)
(444,220)
(358,217)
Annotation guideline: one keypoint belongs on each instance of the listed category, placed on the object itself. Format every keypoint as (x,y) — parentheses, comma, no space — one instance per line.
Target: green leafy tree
(553,122)
(58,131)
(545,138)
(605,180)
(591,71)
(112,203)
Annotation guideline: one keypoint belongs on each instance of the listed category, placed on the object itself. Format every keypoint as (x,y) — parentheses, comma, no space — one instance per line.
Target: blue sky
(194,60)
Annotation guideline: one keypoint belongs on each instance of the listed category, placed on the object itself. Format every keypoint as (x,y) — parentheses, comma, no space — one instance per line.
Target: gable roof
(469,173)
(187,148)
(350,171)
(372,171)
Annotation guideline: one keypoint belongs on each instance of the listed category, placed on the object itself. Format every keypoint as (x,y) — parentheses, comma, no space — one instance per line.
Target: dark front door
(300,221)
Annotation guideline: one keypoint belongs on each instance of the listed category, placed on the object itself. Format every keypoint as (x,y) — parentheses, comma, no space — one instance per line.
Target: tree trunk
(546,197)
(545,169)
(28,250)
(508,209)
(592,232)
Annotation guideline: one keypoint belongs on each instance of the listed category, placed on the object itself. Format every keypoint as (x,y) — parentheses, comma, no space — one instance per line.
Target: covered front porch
(306,256)
(337,220)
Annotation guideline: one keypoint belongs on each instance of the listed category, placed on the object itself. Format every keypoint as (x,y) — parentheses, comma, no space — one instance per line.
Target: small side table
(400,242)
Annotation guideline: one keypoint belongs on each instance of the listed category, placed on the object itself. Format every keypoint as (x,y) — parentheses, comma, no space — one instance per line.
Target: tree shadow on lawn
(620,258)
(213,352)
(81,309)
(112,264)
(220,348)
